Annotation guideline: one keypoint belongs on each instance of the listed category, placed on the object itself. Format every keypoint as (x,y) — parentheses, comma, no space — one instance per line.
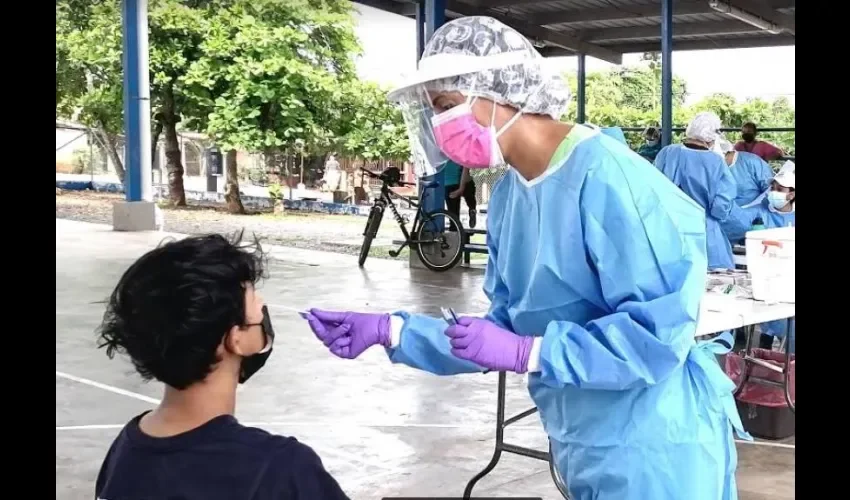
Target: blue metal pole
(435,16)
(580,89)
(137,108)
(420,30)
(666,72)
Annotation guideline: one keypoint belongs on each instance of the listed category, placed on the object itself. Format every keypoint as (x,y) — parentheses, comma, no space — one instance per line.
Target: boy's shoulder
(295,470)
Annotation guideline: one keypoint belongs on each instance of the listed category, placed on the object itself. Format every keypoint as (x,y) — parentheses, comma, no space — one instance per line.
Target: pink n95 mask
(466,142)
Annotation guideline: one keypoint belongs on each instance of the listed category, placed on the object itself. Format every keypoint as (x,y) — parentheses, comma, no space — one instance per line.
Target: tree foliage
(631,97)
(274,74)
(376,128)
(278,76)
(259,75)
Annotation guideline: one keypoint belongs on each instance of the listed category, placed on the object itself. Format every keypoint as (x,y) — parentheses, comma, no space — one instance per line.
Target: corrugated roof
(608,28)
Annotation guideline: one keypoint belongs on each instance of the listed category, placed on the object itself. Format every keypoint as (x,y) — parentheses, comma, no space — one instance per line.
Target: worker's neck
(531,142)
(787,208)
(183,410)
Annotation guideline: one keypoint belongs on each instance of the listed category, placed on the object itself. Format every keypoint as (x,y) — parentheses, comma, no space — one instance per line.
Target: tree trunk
(157,131)
(231,189)
(271,158)
(173,163)
(108,142)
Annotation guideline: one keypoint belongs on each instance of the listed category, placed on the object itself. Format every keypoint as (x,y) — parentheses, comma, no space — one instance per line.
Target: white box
(771,255)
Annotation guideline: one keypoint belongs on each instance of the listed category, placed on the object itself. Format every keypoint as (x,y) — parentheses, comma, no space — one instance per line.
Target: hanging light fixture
(744,16)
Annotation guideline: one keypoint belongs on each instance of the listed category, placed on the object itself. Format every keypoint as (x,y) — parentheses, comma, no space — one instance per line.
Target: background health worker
(699,170)
(596,268)
(752,174)
(776,209)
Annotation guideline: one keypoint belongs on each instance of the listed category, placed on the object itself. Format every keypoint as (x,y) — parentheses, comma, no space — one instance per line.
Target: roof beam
(680,8)
(769,14)
(400,8)
(494,4)
(540,33)
(716,28)
(683,45)
(618,13)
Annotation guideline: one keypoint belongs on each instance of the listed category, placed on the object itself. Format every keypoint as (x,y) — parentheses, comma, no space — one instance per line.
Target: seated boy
(187,314)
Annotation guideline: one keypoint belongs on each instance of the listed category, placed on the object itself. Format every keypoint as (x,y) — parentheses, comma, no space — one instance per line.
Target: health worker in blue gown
(596,268)
(698,168)
(752,174)
(776,209)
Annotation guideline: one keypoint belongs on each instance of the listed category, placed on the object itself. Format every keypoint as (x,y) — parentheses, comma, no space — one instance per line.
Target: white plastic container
(771,255)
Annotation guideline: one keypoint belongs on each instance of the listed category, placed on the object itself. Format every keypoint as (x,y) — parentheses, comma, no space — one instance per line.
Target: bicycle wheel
(372,225)
(438,248)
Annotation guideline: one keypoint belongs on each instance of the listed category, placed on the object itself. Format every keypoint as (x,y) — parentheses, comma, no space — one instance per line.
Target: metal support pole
(420,30)
(435,199)
(666,72)
(435,16)
(581,98)
(137,108)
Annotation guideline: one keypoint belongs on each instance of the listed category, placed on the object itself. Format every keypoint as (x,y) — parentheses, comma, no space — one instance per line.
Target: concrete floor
(381,430)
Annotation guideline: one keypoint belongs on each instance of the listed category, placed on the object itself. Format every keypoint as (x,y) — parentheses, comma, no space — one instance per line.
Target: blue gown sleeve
(763,175)
(725,191)
(739,221)
(648,251)
(495,289)
(424,345)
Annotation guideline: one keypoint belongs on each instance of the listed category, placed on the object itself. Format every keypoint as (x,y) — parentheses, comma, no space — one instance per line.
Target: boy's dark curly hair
(172,307)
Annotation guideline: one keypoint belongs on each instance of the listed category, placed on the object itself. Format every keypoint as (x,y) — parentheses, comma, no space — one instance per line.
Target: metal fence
(82,154)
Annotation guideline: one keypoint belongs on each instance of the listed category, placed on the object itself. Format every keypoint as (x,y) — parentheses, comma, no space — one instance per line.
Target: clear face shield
(415,105)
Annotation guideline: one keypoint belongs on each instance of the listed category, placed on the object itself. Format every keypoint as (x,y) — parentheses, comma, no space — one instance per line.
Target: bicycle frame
(386,197)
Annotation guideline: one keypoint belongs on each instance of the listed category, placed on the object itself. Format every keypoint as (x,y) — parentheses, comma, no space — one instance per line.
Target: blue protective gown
(605,259)
(705,177)
(753,176)
(615,133)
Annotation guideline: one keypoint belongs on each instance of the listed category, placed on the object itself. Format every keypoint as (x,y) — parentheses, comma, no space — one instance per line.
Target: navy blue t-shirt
(220,460)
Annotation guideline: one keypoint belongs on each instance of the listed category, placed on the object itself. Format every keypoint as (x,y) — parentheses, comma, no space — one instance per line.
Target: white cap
(703,127)
(788,166)
(786,178)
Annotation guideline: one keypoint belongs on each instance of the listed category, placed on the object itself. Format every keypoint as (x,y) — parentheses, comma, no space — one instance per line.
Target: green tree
(631,97)
(88,71)
(273,75)
(90,41)
(376,129)
(626,97)
(262,75)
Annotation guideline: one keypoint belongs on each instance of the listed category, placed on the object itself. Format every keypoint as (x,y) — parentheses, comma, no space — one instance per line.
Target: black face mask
(252,364)
(748,137)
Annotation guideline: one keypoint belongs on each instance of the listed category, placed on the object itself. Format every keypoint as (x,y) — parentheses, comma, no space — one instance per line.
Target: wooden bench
(471,248)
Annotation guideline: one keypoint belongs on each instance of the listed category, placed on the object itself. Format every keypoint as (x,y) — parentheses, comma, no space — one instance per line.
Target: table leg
(500,435)
(502,446)
(789,341)
(556,476)
(750,333)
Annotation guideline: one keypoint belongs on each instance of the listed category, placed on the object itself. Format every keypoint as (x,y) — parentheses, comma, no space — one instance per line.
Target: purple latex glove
(348,334)
(487,345)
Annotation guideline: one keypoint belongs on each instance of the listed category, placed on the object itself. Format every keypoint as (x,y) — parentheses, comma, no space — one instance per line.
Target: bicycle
(430,233)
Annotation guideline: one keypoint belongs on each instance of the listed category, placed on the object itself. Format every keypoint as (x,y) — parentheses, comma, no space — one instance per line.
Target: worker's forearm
(418,341)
